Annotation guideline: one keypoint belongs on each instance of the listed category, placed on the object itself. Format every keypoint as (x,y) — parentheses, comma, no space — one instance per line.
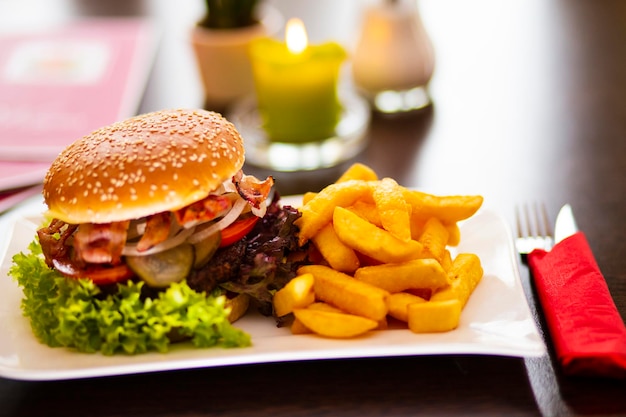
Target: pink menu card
(58,85)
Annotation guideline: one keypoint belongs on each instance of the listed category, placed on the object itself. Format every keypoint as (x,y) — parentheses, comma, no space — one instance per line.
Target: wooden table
(529,105)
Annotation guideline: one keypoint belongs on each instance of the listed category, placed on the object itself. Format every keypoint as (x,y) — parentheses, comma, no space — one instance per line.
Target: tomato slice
(237,230)
(100,275)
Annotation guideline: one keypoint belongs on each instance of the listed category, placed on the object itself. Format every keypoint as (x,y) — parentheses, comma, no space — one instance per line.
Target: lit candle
(296,85)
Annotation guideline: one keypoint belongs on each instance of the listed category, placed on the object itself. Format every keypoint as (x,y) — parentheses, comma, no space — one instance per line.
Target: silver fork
(533,229)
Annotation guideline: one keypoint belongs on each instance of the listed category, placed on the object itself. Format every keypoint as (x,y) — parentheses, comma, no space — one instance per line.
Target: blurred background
(497,65)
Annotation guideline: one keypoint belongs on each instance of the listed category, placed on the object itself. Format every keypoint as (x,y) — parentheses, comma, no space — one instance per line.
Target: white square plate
(495,321)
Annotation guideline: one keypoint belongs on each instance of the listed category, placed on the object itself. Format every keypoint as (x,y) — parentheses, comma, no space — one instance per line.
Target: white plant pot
(223,60)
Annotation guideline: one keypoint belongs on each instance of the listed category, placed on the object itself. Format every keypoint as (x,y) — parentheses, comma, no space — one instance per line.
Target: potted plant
(232,14)
(220,42)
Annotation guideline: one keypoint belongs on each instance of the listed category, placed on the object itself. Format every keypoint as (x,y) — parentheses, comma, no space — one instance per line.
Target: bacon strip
(55,240)
(51,246)
(206,209)
(101,243)
(251,189)
(157,230)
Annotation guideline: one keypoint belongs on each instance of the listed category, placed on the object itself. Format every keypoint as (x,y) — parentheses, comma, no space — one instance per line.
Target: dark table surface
(529,105)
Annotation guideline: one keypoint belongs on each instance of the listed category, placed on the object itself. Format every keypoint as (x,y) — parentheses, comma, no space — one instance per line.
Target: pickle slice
(163,268)
(206,249)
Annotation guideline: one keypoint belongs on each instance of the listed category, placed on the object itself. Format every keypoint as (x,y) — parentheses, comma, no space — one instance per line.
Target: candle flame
(295,36)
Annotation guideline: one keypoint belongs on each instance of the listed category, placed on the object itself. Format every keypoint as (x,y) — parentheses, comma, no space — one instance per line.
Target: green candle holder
(297,92)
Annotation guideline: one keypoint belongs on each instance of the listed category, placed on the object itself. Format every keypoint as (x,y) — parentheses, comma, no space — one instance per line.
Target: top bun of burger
(160,161)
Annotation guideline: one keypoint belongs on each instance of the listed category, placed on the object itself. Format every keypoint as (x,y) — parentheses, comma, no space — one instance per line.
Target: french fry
(297,327)
(415,274)
(358,171)
(382,324)
(297,293)
(395,213)
(339,256)
(318,211)
(448,209)
(367,211)
(308,197)
(454,234)
(446,260)
(394,241)
(465,274)
(322,306)
(434,316)
(434,238)
(372,241)
(424,293)
(417,226)
(335,325)
(398,304)
(347,293)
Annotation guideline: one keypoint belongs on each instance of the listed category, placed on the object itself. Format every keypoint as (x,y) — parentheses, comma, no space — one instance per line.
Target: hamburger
(155,235)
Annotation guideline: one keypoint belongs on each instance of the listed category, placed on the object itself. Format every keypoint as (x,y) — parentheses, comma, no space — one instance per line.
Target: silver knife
(565,225)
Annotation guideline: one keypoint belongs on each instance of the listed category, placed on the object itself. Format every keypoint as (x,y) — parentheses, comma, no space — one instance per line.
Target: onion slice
(192,234)
(259,212)
(131,248)
(224,222)
(136,229)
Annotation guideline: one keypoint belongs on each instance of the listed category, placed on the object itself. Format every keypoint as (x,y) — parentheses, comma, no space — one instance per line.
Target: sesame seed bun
(160,161)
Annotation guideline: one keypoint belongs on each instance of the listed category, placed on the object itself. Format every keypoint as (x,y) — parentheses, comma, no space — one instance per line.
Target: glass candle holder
(393,59)
(299,118)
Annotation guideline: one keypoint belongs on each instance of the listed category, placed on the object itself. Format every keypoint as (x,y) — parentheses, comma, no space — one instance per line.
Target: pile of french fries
(384,253)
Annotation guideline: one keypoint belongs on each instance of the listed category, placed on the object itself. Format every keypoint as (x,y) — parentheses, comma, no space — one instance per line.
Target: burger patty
(259,264)
(224,265)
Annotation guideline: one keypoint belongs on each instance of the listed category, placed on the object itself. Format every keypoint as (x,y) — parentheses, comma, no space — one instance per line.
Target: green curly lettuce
(75,313)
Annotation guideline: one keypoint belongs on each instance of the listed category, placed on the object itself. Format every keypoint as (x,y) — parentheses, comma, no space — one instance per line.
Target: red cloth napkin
(588,333)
